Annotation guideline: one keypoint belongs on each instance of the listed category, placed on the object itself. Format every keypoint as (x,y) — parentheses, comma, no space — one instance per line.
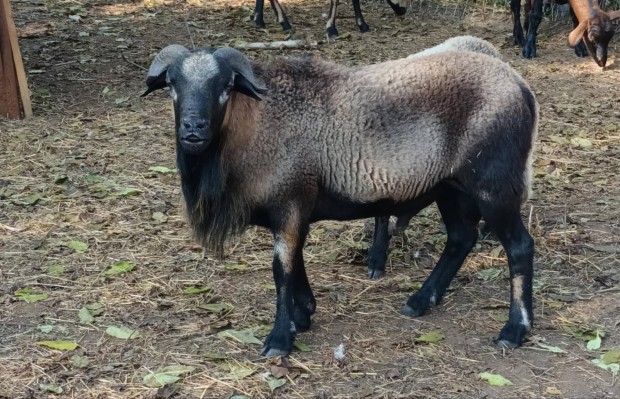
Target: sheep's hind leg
(460,214)
(304,303)
(507,224)
(377,254)
(289,239)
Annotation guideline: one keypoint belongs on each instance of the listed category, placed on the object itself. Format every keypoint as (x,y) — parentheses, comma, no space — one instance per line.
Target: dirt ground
(90,182)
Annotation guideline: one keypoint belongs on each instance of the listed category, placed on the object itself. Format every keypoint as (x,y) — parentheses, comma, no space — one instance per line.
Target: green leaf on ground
(550,348)
(127,192)
(216,307)
(29,296)
(301,346)
(238,371)
(612,356)
(77,246)
(495,380)
(119,268)
(245,336)
(167,375)
(51,388)
(197,290)
(614,368)
(55,270)
(595,343)
(274,383)
(122,332)
(60,345)
(85,316)
(80,361)
(45,328)
(433,336)
(236,266)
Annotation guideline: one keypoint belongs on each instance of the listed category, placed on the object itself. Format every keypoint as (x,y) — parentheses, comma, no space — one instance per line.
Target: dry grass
(85,147)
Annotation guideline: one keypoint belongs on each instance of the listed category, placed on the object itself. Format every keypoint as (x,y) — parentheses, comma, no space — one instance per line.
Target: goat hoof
(511,336)
(273,352)
(260,24)
(278,345)
(398,10)
(411,312)
(286,27)
(364,27)
(529,51)
(332,32)
(375,274)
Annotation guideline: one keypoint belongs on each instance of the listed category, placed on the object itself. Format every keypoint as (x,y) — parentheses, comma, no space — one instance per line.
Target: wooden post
(14,97)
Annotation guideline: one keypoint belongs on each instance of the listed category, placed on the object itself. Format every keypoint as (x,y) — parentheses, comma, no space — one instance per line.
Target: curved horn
(155,78)
(244,76)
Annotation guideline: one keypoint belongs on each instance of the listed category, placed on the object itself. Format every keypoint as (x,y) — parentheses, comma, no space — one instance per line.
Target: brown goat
(592,26)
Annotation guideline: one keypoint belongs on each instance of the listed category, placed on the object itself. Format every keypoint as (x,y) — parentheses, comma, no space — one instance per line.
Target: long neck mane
(216,205)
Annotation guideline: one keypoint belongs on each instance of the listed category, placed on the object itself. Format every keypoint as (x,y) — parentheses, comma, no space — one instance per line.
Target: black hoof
(286,27)
(511,336)
(398,10)
(278,345)
(364,27)
(332,32)
(260,24)
(529,51)
(411,312)
(375,274)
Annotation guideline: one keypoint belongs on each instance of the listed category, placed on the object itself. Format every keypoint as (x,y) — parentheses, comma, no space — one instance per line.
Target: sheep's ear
(244,81)
(156,76)
(577,34)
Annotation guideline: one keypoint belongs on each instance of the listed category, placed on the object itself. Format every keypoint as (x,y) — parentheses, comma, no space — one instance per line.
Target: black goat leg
(517,31)
(277,8)
(529,49)
(258,14)
(359,18)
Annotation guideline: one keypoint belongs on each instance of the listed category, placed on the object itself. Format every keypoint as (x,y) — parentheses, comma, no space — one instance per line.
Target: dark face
(597,39)
(200,87)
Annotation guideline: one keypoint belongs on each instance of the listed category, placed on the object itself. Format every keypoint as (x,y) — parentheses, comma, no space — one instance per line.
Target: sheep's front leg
(294,300)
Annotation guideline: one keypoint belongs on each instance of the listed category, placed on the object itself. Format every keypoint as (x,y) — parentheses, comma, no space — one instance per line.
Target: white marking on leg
(293,328)
(433,300)
(517,298)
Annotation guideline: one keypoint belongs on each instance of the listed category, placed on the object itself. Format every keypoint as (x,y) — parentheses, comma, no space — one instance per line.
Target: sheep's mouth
(192,138)
(193,143)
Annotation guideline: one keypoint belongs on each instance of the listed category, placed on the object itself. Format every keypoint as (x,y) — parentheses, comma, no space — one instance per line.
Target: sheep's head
(200,83)
(597,31)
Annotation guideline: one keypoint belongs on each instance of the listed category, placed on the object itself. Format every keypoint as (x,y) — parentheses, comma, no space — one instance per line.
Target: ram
(284,144)
(377,253)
